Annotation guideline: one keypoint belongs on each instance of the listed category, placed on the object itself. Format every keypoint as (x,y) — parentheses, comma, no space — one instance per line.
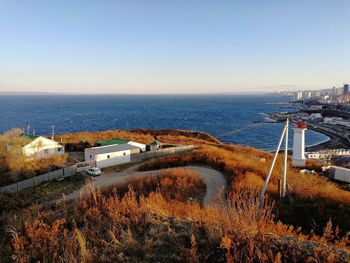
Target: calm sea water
(216,114)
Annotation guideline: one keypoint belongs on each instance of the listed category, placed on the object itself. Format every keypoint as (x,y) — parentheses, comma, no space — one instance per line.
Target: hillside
(153,219)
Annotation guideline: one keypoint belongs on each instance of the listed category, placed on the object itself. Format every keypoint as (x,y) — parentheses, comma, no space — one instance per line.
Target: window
(124,154)
(108,156)
(59,149)
(90,156)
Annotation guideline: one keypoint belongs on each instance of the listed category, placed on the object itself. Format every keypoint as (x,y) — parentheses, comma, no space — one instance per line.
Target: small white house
(42,147)
(155,145)
(110,155)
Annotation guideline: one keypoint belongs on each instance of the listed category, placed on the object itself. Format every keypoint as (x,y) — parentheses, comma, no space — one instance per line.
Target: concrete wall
(37,180)
(340,174)
(111,159)
(160,153)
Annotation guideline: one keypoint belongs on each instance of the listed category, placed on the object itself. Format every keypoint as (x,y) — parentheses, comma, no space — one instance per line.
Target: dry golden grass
(316,200)
(177,184)
(141,135)
(148,224)
(247,168)
(110,228)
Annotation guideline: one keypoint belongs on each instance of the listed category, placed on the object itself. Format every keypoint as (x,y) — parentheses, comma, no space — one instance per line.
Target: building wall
(140,145)
(108,159)
(42,148)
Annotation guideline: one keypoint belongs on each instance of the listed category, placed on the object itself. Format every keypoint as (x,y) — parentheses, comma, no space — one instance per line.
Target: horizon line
(43,93)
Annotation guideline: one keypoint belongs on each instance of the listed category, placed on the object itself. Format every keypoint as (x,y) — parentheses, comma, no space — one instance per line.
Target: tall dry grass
(316,200)
(179,184)
(77,141)
(103,228)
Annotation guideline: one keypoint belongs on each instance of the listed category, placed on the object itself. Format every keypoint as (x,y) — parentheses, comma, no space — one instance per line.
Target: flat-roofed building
(110,155)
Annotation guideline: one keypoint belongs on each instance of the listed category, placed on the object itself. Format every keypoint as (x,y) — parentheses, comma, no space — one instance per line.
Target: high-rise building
(346,89)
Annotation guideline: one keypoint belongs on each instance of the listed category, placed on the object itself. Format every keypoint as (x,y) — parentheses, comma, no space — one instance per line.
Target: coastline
(332,143)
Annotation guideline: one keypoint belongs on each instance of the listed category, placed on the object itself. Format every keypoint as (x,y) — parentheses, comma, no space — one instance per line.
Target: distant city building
(346,89)
(298,95)
(339,91)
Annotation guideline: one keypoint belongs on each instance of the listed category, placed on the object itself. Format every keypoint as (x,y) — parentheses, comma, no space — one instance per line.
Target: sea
(231,118)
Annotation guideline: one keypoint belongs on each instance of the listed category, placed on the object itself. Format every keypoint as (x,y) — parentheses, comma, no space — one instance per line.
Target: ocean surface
(229,117)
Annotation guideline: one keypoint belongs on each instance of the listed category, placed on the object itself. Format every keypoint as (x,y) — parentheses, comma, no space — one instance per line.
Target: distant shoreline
(5,93)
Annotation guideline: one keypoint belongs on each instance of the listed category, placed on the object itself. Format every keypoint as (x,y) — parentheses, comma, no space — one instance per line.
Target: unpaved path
(214,180)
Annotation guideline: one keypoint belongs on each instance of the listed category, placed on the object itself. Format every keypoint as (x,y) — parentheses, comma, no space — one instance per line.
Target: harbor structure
(298,159)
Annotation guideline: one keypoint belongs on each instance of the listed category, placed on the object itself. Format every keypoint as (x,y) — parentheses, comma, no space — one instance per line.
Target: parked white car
(94,171)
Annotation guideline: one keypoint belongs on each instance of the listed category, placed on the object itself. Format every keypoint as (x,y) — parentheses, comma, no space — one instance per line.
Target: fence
(160,153)
(36,180)
(71,170)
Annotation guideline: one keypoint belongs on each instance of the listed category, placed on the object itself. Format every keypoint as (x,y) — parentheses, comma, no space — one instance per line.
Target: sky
(174,46)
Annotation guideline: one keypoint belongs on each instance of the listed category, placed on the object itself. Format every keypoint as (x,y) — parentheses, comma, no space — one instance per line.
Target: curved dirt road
(214,180)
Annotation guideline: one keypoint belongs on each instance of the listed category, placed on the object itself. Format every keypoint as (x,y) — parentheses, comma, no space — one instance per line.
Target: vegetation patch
(246,169)
(14,166)
(150,219)
(175,184)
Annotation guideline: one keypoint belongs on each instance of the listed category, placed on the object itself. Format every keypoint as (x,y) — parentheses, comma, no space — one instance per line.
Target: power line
(249,126)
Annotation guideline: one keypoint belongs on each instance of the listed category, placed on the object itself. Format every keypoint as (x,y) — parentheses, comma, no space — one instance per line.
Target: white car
(94,171)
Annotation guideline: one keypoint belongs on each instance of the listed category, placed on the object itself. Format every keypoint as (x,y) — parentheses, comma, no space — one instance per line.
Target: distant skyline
(184,46)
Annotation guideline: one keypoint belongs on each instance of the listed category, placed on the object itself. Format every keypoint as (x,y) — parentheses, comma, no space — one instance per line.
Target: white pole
(263,190)
(52,132)
(284,181)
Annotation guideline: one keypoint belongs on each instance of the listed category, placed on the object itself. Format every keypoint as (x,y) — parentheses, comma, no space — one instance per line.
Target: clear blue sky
(184,46)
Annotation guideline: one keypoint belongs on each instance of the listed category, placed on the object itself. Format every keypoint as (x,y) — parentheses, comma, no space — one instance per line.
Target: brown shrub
(179,184)
(131,229)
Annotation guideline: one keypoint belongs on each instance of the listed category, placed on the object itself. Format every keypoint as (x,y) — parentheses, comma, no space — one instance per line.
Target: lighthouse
(299,145)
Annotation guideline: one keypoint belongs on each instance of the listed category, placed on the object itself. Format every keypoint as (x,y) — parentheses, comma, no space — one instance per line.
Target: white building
(155,145)
(298,159)
(140,145)
(298,95)
(340,174)
(110,155)
(41,147)
(315,116)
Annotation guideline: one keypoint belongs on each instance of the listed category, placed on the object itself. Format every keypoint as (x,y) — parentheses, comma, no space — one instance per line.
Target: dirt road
(214,180)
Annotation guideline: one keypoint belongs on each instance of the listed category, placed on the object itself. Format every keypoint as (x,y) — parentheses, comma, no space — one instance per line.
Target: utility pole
(285,136)
(284,180)
(52,132)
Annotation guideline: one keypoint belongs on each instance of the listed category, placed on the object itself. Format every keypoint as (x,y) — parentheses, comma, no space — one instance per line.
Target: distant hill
(20,93)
